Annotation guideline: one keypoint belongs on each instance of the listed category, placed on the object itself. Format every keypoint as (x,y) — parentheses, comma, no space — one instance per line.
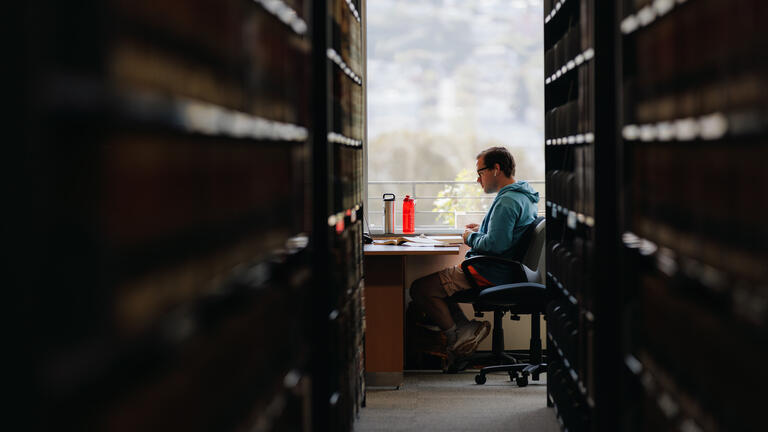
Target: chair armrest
(488,258)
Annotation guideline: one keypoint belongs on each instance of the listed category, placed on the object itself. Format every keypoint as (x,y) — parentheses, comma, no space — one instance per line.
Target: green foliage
(449,203)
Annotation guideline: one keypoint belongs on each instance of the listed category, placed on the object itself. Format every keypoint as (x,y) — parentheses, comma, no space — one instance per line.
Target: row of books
(347,106)
(166,216)
(351,340)
(570,261)
(574,190)
(660,393)
(575,113)
(737,93)
(584,173)
(686,342)
(564,329)
(128,373)
(347,35)
(210,27)
(348,259)
(563,189)
(586,98)
(572,118)
(568,15)
(173,62)
(570,407)
(158,186)
(572,330)
(549,5)
(718,272)
(348,178)
(220,29)
(563,51)
(700,42)
(586,18)
(703,188)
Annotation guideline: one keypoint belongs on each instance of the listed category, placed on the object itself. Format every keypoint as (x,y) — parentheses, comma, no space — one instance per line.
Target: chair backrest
(534,255)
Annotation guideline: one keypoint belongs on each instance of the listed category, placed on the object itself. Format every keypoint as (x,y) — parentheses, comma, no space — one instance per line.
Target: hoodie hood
(522,187)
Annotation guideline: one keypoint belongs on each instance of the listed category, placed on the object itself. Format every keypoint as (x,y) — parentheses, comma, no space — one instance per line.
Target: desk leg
(384,320)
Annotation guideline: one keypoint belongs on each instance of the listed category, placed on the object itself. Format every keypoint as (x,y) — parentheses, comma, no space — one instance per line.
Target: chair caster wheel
(522,381)
(480,379)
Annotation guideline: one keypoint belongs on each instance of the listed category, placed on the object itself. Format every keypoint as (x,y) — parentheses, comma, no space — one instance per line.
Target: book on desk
(422,241)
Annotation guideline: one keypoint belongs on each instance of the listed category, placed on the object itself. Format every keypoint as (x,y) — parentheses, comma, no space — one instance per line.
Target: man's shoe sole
(470,346)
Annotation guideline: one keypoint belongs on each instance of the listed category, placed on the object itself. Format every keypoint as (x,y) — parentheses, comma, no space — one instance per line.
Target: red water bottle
(409,214)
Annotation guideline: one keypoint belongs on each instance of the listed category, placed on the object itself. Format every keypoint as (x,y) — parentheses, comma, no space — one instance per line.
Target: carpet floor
(433,401)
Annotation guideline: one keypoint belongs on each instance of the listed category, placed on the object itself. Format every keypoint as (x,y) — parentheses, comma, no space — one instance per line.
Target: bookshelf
(692,133)
(185,175)
(580,151)
(338,155)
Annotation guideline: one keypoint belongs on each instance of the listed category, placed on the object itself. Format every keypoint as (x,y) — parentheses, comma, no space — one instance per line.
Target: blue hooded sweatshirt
(513,209)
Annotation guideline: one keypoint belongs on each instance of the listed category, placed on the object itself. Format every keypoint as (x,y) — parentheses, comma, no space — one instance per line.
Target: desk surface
(371,249)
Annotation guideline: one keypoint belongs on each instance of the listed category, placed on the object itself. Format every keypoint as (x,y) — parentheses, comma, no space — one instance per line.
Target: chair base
(518,372)
(487,358)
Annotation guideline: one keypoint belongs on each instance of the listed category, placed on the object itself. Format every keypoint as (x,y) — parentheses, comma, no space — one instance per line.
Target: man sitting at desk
(513,209)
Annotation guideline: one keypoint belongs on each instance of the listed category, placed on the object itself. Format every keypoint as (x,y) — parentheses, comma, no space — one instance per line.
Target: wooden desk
(385,309)
(378,250)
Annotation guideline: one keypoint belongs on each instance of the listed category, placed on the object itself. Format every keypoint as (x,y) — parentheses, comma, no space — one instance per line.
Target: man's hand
(472,227)
(466,234)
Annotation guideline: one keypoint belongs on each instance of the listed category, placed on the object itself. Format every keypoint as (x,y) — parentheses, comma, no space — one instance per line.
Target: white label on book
(629,24)
(572,219)
(713,126)
(648,133)
(668,406)
(663,6)
(687,129)
(666,131)
(646,15)
(630,132)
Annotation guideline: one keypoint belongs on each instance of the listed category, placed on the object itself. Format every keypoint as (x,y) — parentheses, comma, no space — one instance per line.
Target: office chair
(523,295)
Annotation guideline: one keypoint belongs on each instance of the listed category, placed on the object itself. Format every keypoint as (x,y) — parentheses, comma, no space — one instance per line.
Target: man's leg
(429,295)
(456,313)
(463,335)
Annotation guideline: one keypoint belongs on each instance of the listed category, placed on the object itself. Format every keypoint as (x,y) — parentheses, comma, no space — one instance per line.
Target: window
(447,79)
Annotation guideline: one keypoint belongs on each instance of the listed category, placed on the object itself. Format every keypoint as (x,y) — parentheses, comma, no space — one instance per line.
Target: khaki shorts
(453,280)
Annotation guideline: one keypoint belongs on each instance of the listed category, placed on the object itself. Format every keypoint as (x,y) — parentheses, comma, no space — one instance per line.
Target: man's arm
(469,229)
(501,226)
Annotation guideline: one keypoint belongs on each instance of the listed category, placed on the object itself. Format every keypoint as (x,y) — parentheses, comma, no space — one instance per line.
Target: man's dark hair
(501,156)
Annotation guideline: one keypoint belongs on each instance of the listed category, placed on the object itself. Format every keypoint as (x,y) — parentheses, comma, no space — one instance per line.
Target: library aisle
(437,401)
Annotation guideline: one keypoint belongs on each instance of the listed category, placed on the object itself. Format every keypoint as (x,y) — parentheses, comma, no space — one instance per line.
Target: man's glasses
(481,170)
